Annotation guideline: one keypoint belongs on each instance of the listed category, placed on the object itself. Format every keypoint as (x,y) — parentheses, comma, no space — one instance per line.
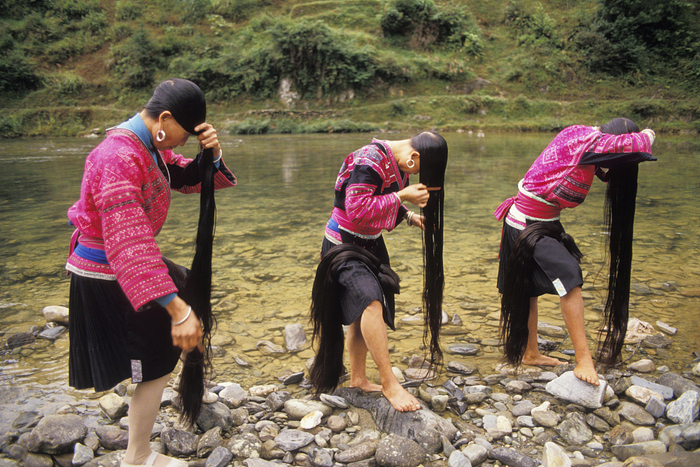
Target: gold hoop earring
(160,136)
(411,163)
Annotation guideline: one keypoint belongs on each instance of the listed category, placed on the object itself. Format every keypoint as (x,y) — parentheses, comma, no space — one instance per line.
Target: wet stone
(512,458)
(291,440)
(219,457)
(398,451)
(635,414)
(684,409)
(357,453)
(625,451)
(464,349)
(572,389)
(665,391)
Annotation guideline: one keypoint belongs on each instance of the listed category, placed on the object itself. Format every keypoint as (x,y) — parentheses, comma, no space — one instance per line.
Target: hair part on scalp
(433,160)
(183,99)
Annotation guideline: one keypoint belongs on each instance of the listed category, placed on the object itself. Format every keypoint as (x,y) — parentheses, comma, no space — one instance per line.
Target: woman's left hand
(418,221)
(208,138)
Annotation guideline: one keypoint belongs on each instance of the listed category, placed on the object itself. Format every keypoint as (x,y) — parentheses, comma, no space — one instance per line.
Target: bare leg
(143,411)
(532,355)
(357,351)
(373,333)
(572,310)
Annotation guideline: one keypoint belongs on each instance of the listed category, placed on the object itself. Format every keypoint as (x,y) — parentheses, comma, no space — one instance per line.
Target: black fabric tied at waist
(340,255)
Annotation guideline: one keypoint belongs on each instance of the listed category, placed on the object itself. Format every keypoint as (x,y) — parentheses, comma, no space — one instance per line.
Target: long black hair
(517,285)
(325,314)
(433,161)
(620,200)
(186,102)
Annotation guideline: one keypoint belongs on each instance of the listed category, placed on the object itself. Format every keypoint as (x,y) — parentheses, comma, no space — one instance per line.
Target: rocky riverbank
(640,415)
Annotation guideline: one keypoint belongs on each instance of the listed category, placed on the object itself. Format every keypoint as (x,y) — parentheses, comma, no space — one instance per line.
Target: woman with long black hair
(354,284)
(537,257)
(132,312)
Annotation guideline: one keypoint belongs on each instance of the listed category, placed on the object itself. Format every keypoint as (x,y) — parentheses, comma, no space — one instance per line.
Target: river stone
(635,414)
(572,389)
(179,442)
(219,457)
(245,446)
(82,454)
(643,366)
(641,394)
(678,383)
(423,426)
(38,460)
(464,349)
(319,457)
(257,462)
(357,453)
(554,456)
(269,348)
(523,407)
(460,368)
(399,451)
(512,458)
(684,409)
(112,437)
(297,409)
(439,403)
(56,314)
(20,339)
(294,337)
(113,459)
(291,440)
(52,333)
(113,406)
(311,420)
(334,401)
(233,395)
(574,430)
(55,434)
(262,390)
(336,423)
(275,400)
(476,453)
(656,407)
(26,421)
(597,423)
(545,418)
(643,434)
(458,459)
(213,415)
(625,451)
(665,391)
(666,328)
(209,441)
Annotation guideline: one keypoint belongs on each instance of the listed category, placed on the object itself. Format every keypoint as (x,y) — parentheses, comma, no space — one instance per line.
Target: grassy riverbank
(75,67)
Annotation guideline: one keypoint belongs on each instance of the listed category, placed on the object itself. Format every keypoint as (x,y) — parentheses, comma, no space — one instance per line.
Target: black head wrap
(183,99)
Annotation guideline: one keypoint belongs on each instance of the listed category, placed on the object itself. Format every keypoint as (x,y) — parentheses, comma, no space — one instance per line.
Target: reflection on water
(269,231)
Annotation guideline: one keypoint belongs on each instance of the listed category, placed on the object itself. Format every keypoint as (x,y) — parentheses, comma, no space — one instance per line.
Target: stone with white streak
(572,389)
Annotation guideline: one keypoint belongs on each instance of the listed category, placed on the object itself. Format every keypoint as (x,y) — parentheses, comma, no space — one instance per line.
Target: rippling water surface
(268,236)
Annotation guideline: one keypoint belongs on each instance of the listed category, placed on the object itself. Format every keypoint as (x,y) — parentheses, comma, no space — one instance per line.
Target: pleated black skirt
(110,342)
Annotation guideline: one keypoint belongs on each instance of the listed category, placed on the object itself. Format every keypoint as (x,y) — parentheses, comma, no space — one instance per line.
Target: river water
(268,236)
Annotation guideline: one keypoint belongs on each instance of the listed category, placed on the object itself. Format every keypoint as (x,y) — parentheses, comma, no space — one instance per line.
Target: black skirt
(359,286)
(110,342)
(557,271)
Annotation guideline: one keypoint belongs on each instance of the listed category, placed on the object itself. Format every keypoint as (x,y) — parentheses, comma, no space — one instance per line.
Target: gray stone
(525,421)
(239,416)
(294,337)
(666,328)
(55,434)
(684,409)
(334,401)
(38,460)
(554,456)
(320,457)
(256,462)
(635,414)
(574,430)
(357,453)
(625,451)
(56,314)
(546,418)
(267,429)
(179,442)
(112,437)
(297,409)
(597,423)
(522,408)
(26,421)
(82,454)
(671,435)
(52,333)
(423,426)
(275,400)
(460,368)
(233,395)
(641,394)
(219,457)
(458,459)
(20,339)
(572,389)
(291,440)
(464,349)
(512,458)
(690,436)
(550,329)
(644,365)
(269,348)
(643,434)
(517,386)
(476,453)
(209,441)
(245,446)
(399,451)
(656,407)
(213,415)
(678,383)
(665,391)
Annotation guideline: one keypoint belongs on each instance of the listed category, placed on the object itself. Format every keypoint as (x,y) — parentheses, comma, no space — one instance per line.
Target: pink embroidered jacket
(124,201)
(365,200)
(558,179)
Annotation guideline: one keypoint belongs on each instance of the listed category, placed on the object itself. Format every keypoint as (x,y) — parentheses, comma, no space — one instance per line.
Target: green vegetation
(68,67)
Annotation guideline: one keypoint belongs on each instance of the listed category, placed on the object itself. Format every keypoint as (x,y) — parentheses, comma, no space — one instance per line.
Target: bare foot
(401,399)
(585,371)
(540,360)
(365,386)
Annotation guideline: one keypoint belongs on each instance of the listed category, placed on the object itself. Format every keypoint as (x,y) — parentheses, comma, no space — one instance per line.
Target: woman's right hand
(188,334)
(417,194)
